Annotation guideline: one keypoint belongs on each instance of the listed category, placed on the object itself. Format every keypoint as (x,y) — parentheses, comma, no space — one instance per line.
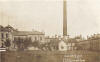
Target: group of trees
(24,43)
(6,43)
(21,43)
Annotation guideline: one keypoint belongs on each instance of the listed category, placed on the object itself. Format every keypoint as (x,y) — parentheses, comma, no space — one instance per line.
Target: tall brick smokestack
(64,18)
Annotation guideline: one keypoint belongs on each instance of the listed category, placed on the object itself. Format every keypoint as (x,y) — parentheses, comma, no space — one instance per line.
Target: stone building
(34,35)
(84,45)
(10,33)
(92,43)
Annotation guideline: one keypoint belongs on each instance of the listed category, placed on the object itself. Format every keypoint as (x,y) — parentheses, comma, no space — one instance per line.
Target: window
(40,38)
(35,38)
(7,35)
(2,35)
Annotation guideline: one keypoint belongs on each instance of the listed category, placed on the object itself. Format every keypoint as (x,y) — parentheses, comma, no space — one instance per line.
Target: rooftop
(25,33)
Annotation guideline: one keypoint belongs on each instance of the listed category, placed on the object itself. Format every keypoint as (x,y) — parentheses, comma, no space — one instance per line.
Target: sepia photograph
(49,31)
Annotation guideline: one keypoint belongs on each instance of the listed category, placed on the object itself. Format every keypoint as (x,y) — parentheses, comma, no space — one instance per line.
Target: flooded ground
(41,56)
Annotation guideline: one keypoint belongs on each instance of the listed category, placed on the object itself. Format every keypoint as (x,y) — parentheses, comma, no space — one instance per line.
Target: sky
(83,16)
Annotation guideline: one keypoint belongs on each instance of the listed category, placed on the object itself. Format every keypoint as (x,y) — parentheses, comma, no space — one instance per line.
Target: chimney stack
(65,34)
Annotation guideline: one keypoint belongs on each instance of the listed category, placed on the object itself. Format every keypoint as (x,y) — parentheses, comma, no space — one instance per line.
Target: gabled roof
(25,33)
(6,29)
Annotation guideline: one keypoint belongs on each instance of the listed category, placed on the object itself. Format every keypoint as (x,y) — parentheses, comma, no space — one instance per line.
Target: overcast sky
(46,15)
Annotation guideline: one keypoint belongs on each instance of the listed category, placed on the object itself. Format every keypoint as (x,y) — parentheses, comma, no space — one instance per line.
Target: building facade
(12,34)
(91,43)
